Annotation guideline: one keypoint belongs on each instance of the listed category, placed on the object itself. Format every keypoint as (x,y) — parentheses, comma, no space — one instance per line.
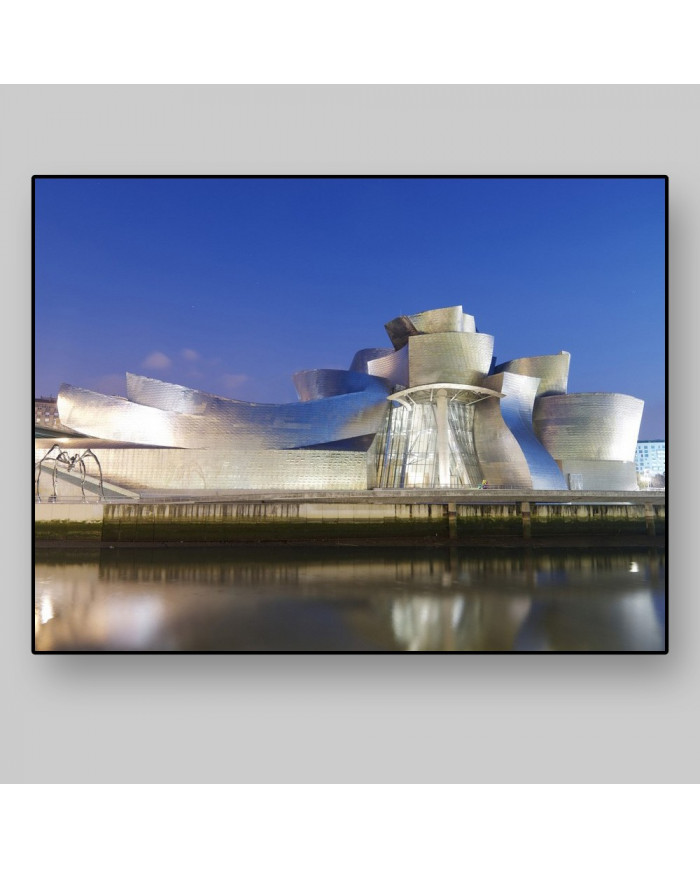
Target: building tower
(450,423)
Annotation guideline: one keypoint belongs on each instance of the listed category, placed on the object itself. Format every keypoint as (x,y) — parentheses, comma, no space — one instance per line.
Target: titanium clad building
(592,436)
(433,410)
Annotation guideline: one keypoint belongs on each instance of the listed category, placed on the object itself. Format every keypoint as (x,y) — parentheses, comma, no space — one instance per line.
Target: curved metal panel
(111,417)
(393,367)
(439,320)
(601,476)
(462,392)
(502,461)
(468,323)
(516,406)
(167,396)
(399,330)
(598,426)
(434,321)
(138,468)
(449,357)
(226,423)
(552,371)
(326,382)
(363,357)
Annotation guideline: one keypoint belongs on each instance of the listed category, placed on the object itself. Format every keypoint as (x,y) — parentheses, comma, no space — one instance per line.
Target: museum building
(433,410)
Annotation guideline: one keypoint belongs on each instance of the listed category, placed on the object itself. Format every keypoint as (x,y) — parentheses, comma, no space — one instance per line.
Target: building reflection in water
(477,622)
(288,599)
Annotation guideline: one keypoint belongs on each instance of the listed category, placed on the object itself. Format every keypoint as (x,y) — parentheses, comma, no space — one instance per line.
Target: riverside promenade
(401,516)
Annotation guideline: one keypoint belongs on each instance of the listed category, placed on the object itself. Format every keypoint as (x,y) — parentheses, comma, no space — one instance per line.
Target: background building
(650,463)
(45,413)
(47,420)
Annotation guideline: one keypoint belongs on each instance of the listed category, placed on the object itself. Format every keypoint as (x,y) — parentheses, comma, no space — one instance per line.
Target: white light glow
(46,610)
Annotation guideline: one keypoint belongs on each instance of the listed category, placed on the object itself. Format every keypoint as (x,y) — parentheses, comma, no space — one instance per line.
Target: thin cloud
(231,381)
(189,354)
(157,360)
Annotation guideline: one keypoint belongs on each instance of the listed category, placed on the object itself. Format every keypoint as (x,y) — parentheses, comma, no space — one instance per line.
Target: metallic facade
(439,320)
(168,415)
(593,437)
(552,371)
(361,359)
(597,426)
(452,357)
(431,410)
(392,367)
(212,470)
(519,392)
(329,382)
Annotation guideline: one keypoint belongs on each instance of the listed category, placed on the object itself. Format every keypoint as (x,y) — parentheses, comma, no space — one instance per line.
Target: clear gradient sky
(231,284)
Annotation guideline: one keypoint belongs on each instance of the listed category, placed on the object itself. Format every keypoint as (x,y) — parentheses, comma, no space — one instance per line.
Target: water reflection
(349,599)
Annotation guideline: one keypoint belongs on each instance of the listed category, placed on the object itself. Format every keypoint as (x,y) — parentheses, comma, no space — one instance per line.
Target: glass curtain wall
(464,469)
(407,447)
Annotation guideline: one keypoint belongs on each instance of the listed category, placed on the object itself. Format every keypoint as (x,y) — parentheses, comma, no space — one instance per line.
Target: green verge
(66,530)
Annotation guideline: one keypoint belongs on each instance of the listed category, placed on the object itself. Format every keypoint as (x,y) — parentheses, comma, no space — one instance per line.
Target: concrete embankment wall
(230,521)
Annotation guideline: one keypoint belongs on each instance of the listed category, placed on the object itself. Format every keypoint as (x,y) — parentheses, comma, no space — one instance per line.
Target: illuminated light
(134,623)
(634,567)
(46,612)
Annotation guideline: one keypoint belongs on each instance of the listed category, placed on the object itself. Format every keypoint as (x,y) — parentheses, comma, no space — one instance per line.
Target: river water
(280,598)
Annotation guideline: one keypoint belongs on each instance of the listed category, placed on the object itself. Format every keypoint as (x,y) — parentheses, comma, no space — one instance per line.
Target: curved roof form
(399,330)
(443,320)
(326,382)
(393,367)
(169,415)
(452,319)
(600,426)
(461,392)
(362,358)
(552,371)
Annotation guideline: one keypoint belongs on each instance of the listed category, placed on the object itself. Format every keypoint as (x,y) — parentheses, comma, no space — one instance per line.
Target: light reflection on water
(285,599)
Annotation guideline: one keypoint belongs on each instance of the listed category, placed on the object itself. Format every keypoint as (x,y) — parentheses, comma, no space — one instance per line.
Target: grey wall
(614,476)
(429,718)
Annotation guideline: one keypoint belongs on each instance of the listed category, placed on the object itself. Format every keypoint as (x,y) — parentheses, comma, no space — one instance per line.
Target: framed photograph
(350,414)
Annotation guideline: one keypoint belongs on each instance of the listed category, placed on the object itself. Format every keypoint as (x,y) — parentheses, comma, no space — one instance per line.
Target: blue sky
(232,284)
